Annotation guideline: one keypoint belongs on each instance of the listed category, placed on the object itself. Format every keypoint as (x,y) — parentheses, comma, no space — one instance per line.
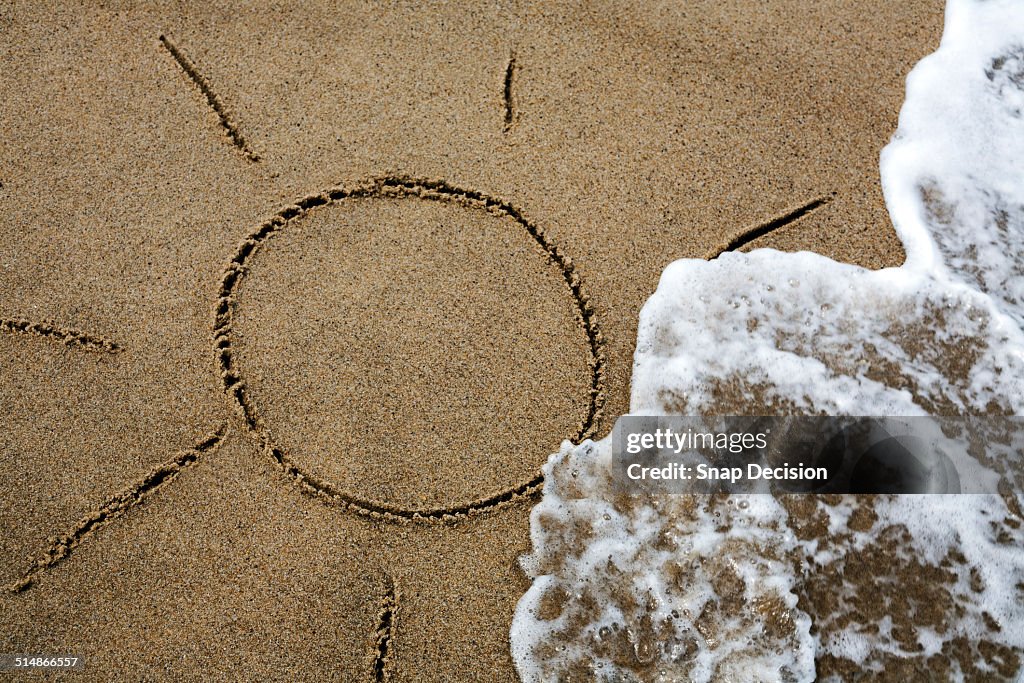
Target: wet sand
(315,455)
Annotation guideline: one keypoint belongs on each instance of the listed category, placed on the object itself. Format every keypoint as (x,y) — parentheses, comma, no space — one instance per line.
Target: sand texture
(295,301)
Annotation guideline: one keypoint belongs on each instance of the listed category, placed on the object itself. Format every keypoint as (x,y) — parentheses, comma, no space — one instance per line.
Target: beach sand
(511,180)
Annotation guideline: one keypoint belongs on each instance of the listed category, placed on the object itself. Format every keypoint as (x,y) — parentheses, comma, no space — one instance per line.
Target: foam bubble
(713,589)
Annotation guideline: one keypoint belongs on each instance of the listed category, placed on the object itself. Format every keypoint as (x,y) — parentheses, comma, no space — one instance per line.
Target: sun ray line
(212,98)
(117,506)
(747,236)
(84,340)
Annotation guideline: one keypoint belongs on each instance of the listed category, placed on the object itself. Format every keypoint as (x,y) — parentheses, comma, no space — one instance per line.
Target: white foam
(798,333)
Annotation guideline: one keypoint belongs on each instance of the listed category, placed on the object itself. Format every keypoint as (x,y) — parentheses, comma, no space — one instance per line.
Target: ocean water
(754,588)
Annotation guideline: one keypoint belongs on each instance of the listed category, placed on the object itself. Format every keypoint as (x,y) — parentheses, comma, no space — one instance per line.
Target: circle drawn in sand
(317,441)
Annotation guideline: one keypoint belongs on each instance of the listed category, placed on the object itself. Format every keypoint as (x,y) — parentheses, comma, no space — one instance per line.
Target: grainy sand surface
(514,179)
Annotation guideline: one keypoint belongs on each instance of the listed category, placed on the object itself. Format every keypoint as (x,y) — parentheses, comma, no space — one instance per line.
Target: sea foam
(754,588)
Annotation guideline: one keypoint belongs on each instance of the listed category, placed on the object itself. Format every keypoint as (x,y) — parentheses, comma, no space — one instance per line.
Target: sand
(489,197)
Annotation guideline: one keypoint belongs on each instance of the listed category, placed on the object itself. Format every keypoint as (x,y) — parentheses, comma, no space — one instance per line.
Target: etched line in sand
(747,236)
(510,73)
(384,636)
(214,100)
(82,340)
(116,506)
(398,187)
